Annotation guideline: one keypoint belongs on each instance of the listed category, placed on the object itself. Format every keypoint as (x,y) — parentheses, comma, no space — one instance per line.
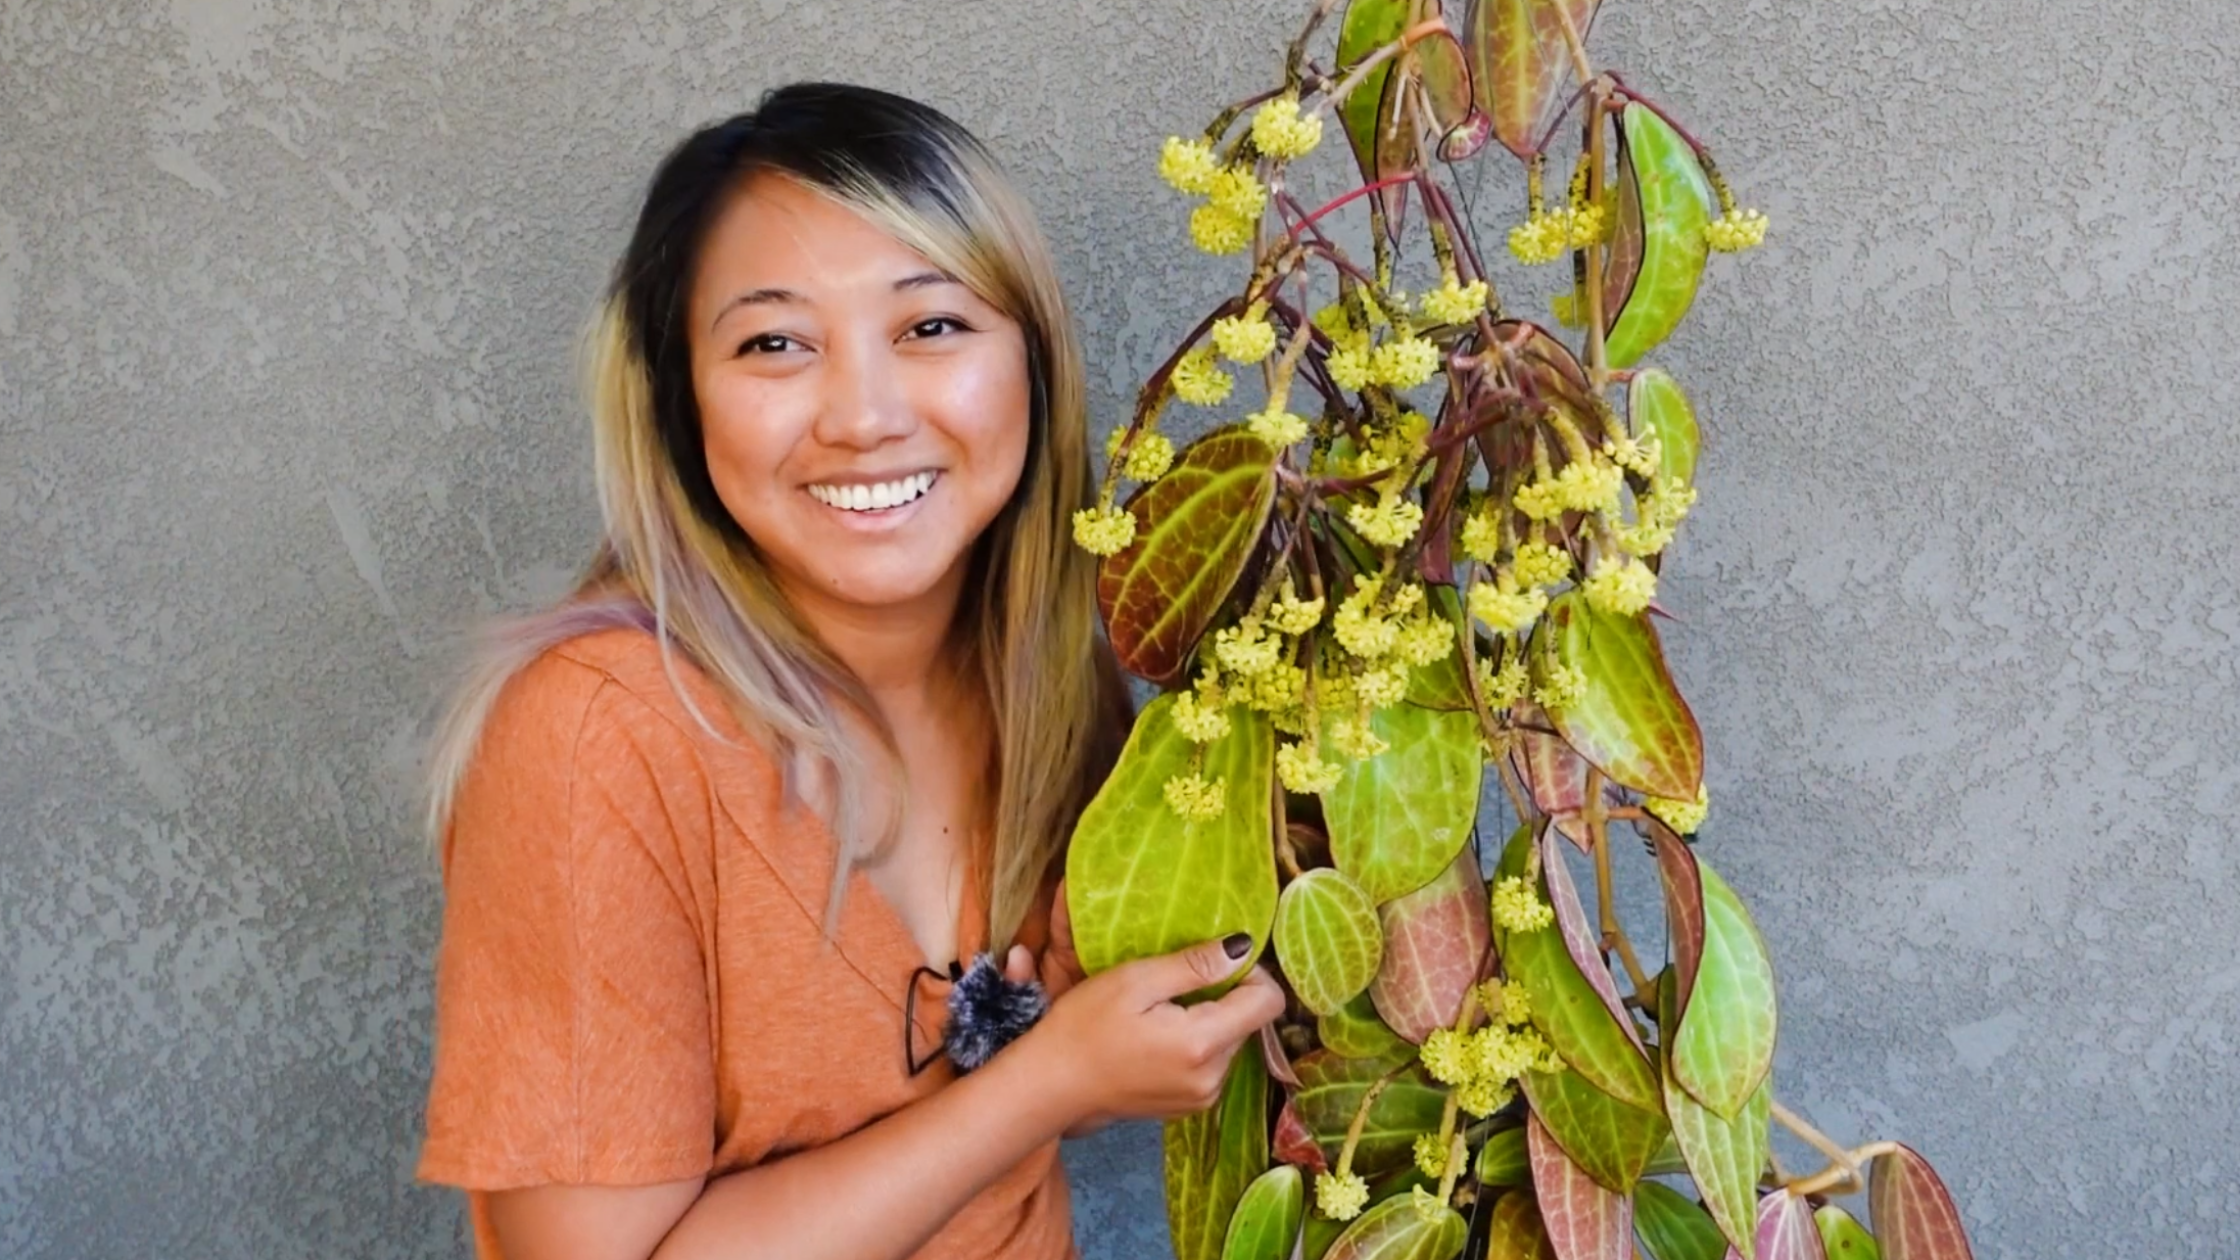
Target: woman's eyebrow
(765,297)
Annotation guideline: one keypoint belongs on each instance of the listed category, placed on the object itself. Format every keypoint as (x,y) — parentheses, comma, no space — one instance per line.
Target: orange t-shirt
(634,984)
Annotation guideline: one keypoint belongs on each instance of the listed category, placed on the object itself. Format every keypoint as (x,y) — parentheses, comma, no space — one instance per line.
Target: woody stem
(1606,904)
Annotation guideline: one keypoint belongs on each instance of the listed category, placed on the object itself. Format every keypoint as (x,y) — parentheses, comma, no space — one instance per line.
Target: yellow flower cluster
(1517,906)
(1340,1196)
(1191,797)
(1453,302)
(1293,615)
(1541,564)
(1506,999)
(1482,1066)
(1279,132)
(1103,531)
(1246,338)
(1404,362)
(1218,232)
(1481,536)
(1561,687)
(1503,607)
(1682,816)
(1356,739)
(1735,231)
(1247,648)
(1366,632)
(1589,485)
(1278,428)
(1637,455)
(1620,587)
(1149,458)
(1304,771)
(1199,722)
(1390,522)
(1352,368)
(1188,165)
(1197,381)
(1431,1155)
(1504,688)
(1541,238)
(1569,310)
(1661,512)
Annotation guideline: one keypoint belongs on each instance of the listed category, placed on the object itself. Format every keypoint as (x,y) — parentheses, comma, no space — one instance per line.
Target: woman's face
(864,415)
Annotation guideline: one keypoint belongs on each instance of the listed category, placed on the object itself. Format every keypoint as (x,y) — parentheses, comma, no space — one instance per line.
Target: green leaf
(1674,1227)
(1785,1229)
(1195,528)
(1580,939)
(1611,1141)
(1655,406)
(1267,1219)
(1630,721)
(1330,1092)
(1843,1237)
(1504,1160)
(1396,1230)
(1211,1157)
(1437,943)
(1321,1231)
(1368,26)
(1520,63)
(1724,1156)
(1397,819)
(1585,1220)
(1517,1232)
(1723,1047)
(1565,1006)
(1141,881)
(1439,684)
(1327,939)
(1664,184)
(1353,1031)
(1913,1213)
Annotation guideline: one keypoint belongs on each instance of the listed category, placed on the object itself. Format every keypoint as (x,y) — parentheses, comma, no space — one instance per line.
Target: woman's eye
(938,326)
(768,343)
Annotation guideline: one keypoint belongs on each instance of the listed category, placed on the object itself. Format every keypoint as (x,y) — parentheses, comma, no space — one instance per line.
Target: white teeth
(871,498)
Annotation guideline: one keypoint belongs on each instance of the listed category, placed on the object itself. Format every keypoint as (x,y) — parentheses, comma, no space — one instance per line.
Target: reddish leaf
(1721,1047)
(1683,912)
(1437,943)
(1520,63)
(1464,128)
(1554,775)
(1583,943)
(1785,1229)
(1195,528)
(1621,266)
(1368,26)
(1395,153)
(1912,1212)
(1294,1144)
(1585,1221)
(1277,1059)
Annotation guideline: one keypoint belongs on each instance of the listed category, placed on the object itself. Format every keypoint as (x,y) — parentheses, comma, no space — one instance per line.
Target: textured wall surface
(287,291)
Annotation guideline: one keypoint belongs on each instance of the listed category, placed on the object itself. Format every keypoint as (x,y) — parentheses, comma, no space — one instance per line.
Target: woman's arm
(1114,1045)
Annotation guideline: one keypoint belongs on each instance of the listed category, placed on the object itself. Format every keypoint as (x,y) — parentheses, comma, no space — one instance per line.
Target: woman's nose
(864,404)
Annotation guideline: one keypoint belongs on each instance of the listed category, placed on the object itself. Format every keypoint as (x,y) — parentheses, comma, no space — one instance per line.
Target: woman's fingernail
(1237,946)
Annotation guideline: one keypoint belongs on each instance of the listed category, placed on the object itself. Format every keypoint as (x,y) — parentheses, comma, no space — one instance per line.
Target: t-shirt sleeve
(572,1009)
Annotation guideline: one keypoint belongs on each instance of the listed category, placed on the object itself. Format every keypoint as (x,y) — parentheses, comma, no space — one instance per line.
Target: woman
(818,721)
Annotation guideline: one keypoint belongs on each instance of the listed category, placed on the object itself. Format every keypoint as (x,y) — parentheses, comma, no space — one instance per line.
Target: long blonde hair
(675,563)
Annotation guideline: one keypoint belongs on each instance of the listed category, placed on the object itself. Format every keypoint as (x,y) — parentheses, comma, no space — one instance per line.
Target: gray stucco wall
(287,292)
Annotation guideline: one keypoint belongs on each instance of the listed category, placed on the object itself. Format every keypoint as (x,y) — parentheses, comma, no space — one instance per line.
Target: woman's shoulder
(614,685)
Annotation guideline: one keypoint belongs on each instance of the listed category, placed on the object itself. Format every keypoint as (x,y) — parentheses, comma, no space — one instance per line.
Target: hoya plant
(1424,548)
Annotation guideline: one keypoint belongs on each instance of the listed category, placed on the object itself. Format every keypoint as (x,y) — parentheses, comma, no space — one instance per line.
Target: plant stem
(1606,904)
(1362,191)
(1573,41)
(1598,357)
(1842,1175)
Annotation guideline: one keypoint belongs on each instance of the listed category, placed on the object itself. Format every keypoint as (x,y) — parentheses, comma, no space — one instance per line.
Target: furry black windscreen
(988,1012)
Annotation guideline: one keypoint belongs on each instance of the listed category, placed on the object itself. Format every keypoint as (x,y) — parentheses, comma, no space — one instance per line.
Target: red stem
(1362,191)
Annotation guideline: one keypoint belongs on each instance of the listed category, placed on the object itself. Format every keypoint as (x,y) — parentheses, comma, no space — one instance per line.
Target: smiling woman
(813,727)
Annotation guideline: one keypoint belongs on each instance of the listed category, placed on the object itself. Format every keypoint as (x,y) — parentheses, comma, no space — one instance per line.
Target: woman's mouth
(874,496)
